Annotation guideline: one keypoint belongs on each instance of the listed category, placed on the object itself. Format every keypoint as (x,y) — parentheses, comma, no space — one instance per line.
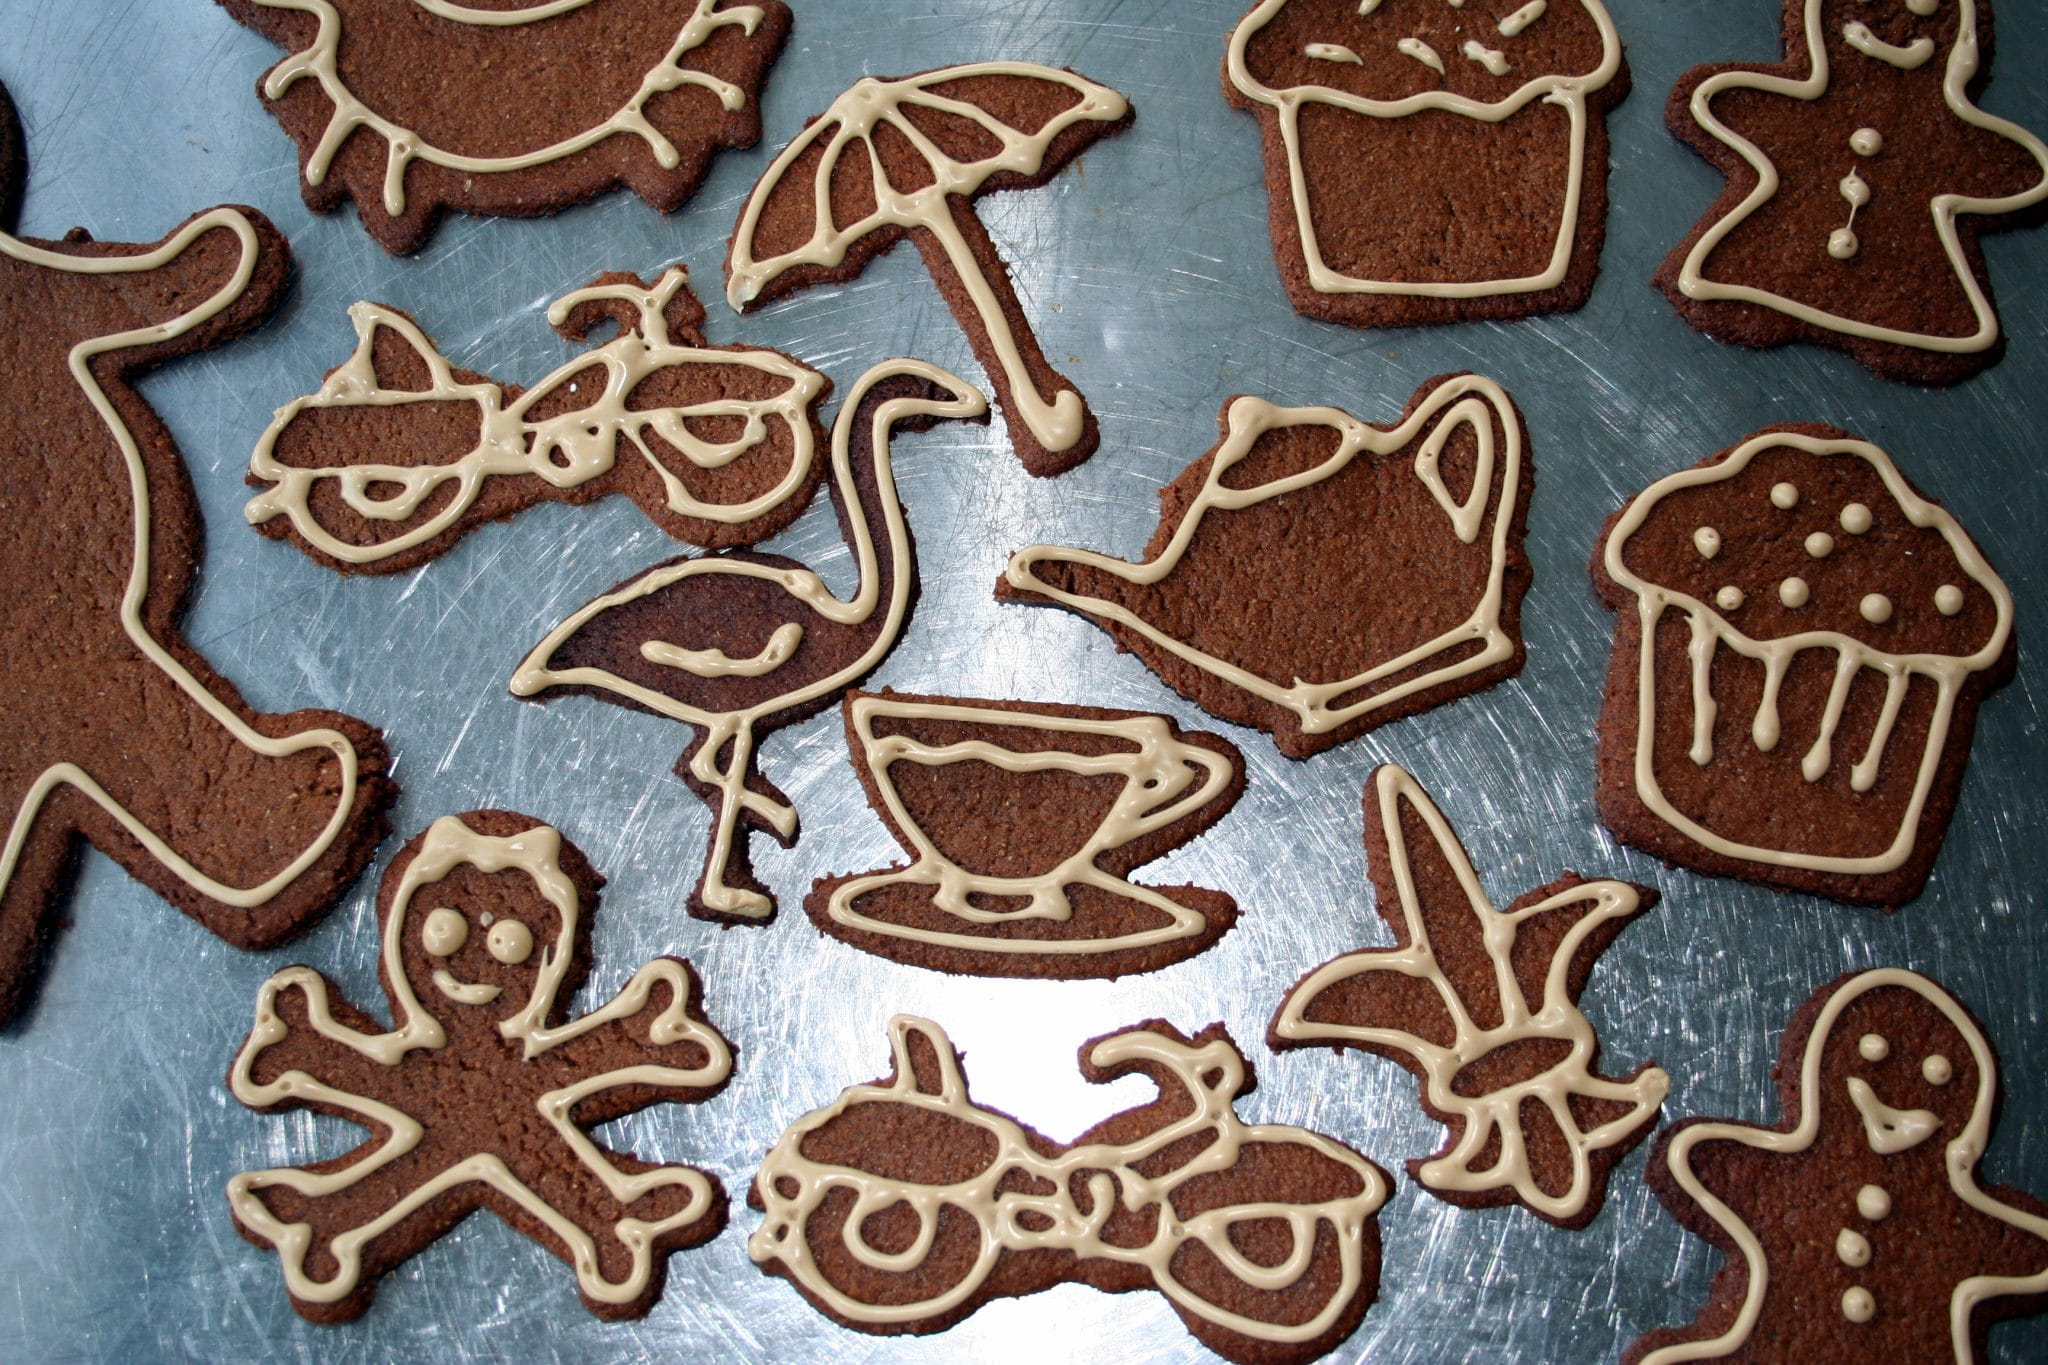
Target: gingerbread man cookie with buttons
(1858,1230)
(482,1092)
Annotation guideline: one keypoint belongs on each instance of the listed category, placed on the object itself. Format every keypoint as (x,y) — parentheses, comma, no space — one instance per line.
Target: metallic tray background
(1148,274)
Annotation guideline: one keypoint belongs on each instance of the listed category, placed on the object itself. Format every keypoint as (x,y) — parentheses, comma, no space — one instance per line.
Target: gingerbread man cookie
(1857,1231)
(482,1092)
(1860,173)
(117,731)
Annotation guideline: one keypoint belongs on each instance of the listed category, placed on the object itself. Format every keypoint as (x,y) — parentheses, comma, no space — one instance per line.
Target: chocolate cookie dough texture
(410,109)
(1801,647)
(482,1093)
(1857,1230)
(1482,1006)
(910,156)
(399,454)
(904,1206)
(1430,161)
(117,731)
(1315,576)
(1860,173)
(1024,818)
(738,644)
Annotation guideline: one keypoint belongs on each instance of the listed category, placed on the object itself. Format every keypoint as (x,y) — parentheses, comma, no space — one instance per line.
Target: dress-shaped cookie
(1860,173)
(1802,641)
(1432,162)
(1857,1230)
(1315,576)
(480,1094)
(117,731)
(415,107)
(1482,1006)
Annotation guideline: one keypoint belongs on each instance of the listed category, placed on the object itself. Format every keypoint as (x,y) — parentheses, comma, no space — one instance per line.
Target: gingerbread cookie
(1482,1006)
(1860,173)
(398,455)
(904,1206)
(118,731)
(1857,1230)
(738,644)
(892,158)
(1314,576)
(1024,818)
(1431,162)
(1801,646)
(482,1093)
(514,109)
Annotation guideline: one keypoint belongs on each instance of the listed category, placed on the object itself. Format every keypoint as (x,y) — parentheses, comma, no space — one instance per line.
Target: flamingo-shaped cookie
(738,642)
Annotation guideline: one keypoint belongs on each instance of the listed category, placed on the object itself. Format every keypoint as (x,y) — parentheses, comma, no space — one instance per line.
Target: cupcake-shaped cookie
(1430,161)
(1802,645)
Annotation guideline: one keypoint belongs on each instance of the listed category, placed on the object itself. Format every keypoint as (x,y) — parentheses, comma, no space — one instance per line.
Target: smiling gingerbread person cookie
(481,1093)
(1858,1230)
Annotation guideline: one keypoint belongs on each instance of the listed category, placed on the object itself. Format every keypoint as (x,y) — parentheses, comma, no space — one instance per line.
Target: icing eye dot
(1936,1070)
(1784,496)
(1852,1248)
(1843,244)
(1332,52)
(1856,519)
(1872,1047)
(1876,608)
(1873,1203)
(1858,1305)
(1729,598)
(1820,545)
(1866,142)
(445,932)
(1948,599)
(1794,593)
(510,942)
(1707,541)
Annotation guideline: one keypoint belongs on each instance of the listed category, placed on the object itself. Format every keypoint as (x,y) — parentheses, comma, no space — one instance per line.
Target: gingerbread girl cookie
(481,1094)
(1857,1231)
(1861,172)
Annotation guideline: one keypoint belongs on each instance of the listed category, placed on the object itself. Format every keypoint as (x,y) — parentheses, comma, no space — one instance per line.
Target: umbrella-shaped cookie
(892,158)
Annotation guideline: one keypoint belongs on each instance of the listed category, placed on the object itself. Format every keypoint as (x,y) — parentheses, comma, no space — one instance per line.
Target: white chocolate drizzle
(1568,90)
(321,61)
(1959,70)
(1333,52)
(136,592)
(1491,1120)
(567,450)
(1948,673)
(1165,780)
(1468,400)
(854,118)
(1016,1220)
(1495,62)
(449,844)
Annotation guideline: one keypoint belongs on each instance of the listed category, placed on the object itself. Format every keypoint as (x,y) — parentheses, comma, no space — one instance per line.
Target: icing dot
(1854,190)
(1784,496)
(1873,1203)
(1858,1305)
(1855,518)
(510,942)
(1873,1048)
(1948,599)
(1707,541)
(1876,608)
(1936,1070)
(1923,8)
(1793,592)
(1852,1248)
(445,932)
(1820,545)
(1866,142)
(1729,598)
(1842,244)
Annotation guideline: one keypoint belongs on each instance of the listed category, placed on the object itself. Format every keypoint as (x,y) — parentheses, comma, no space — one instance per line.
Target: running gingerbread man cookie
(1860,173)
(1858,1230)
(481,1094)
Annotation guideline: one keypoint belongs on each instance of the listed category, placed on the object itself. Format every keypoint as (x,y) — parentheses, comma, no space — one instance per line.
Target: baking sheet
(1148,274)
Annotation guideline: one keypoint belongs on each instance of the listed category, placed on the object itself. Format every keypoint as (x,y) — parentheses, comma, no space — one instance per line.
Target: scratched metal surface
(1148,274)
